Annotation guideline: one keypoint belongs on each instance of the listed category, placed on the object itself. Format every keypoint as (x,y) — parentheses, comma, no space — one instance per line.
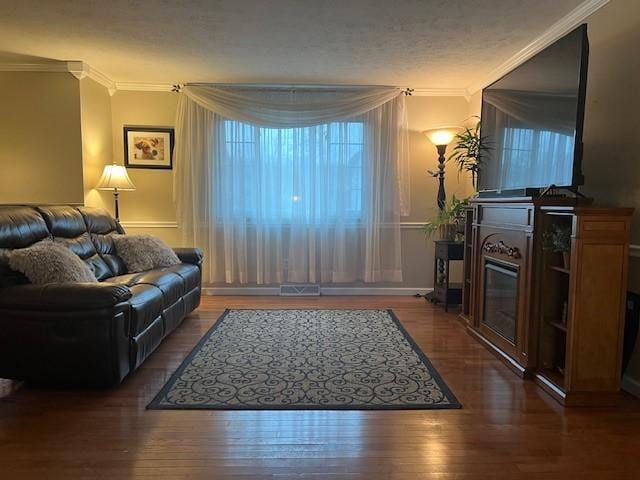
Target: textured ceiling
(418,43)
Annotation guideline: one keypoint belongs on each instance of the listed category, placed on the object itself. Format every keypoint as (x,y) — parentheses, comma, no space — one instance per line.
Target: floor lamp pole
(115,196)
(442,196)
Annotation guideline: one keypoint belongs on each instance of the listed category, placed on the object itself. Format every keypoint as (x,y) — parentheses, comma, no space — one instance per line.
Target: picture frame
(148,147)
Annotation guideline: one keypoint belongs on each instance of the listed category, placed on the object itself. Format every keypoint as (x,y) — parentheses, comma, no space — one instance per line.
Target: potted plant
(450,220)
(469,151)
(558,239)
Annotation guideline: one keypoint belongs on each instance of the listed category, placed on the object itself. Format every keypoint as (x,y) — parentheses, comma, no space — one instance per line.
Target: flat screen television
(532,122)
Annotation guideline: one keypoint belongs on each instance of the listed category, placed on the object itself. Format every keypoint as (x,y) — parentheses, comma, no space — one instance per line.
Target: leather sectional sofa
(85,333)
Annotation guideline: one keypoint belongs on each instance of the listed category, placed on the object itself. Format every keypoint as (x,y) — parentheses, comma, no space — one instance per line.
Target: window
(310,175)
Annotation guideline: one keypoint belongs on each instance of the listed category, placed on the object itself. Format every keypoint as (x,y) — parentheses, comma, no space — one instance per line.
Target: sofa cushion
(141,253)
(67,226)
(50,262)
(101,226)
(190,274)
(21,227)
(172,282)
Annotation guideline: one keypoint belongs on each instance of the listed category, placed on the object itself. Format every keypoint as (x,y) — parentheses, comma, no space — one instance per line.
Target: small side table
(443,290)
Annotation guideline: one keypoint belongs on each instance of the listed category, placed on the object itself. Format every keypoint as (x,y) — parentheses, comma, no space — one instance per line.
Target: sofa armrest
(189,255)
(64,296)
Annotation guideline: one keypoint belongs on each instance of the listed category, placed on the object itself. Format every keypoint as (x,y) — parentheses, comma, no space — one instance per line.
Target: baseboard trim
(374,290)
(631,385)
(329,291)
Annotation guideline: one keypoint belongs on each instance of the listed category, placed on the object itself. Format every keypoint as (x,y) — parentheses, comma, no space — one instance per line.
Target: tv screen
(532,121)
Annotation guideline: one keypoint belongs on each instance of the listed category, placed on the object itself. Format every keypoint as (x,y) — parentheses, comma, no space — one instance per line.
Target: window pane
(308,175)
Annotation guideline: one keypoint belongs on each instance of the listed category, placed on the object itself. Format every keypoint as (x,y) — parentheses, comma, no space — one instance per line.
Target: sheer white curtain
(293,185)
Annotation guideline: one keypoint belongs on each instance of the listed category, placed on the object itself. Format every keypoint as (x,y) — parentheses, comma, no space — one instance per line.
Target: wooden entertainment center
(562,327)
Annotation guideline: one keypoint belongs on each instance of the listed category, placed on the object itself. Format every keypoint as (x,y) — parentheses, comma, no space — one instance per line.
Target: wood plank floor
(507,429)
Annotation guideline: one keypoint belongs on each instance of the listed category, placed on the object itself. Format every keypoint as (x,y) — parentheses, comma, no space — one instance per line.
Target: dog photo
(148,147)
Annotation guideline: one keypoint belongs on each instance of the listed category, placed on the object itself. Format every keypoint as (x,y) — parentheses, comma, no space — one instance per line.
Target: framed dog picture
(148,147)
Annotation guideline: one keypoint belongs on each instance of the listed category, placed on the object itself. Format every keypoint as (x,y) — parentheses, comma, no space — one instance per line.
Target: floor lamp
(441,137)
(115,179)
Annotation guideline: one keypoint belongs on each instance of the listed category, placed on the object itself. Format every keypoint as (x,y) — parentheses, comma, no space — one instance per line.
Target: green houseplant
(469,150)
(449,221)
(558,239)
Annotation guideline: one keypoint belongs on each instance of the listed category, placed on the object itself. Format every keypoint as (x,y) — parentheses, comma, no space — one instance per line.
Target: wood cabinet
(561,325)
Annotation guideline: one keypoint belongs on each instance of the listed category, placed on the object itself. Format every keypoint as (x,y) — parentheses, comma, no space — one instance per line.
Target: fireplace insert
(500,298)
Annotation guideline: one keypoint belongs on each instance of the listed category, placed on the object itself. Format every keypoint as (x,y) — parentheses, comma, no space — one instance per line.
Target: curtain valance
(289,108)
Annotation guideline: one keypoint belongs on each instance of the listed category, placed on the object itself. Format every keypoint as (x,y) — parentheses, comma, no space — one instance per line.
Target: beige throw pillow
(141,253)
(50,262)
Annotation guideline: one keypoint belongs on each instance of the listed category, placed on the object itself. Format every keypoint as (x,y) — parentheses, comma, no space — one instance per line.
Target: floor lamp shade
(116,179)
(441,137)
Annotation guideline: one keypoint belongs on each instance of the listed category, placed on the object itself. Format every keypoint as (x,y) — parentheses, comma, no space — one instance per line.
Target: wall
(153,199)
(611,160)
(97,141)
(418,250)
(40,138)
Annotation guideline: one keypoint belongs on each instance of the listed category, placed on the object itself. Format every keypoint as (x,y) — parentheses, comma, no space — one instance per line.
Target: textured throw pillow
(50,262)
(144,252)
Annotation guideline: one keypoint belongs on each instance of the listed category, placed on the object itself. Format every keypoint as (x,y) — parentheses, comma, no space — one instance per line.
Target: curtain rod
(283,86)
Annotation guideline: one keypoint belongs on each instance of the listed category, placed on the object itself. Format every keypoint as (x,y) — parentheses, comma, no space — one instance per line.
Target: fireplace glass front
(500,299)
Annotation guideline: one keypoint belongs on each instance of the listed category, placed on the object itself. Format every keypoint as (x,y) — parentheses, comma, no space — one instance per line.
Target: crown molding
(563,26)
(80,70)
(441,92)
(144,87)
(168,87)
(57,67)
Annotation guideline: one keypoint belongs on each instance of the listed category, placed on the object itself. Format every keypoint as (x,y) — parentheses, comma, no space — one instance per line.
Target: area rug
(306,360)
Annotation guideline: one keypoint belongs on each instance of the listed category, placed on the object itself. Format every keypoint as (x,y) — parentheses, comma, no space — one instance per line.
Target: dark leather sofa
(83,333)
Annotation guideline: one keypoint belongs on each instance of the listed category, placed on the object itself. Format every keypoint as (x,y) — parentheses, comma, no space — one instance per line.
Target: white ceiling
(417,43)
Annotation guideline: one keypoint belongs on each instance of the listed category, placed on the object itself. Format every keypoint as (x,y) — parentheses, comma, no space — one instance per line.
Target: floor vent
(309,290)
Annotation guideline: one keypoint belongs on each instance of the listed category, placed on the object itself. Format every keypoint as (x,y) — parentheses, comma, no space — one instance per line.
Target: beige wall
(611,162)
(40,138)
(97,141)
(153,199)
(417,250)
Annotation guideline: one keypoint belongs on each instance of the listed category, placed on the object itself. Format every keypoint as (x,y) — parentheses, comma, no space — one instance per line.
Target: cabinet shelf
(560,269)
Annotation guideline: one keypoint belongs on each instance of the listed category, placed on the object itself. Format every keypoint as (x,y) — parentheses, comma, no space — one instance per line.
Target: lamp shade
(441,135)
(115,177)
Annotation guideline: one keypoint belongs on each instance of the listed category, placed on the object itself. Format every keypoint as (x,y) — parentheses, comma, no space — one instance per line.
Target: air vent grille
(308,290)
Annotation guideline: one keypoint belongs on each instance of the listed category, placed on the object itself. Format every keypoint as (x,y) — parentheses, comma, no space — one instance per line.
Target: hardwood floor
(507,428)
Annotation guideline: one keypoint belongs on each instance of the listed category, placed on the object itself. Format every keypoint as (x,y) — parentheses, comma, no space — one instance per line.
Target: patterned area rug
(306,360)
